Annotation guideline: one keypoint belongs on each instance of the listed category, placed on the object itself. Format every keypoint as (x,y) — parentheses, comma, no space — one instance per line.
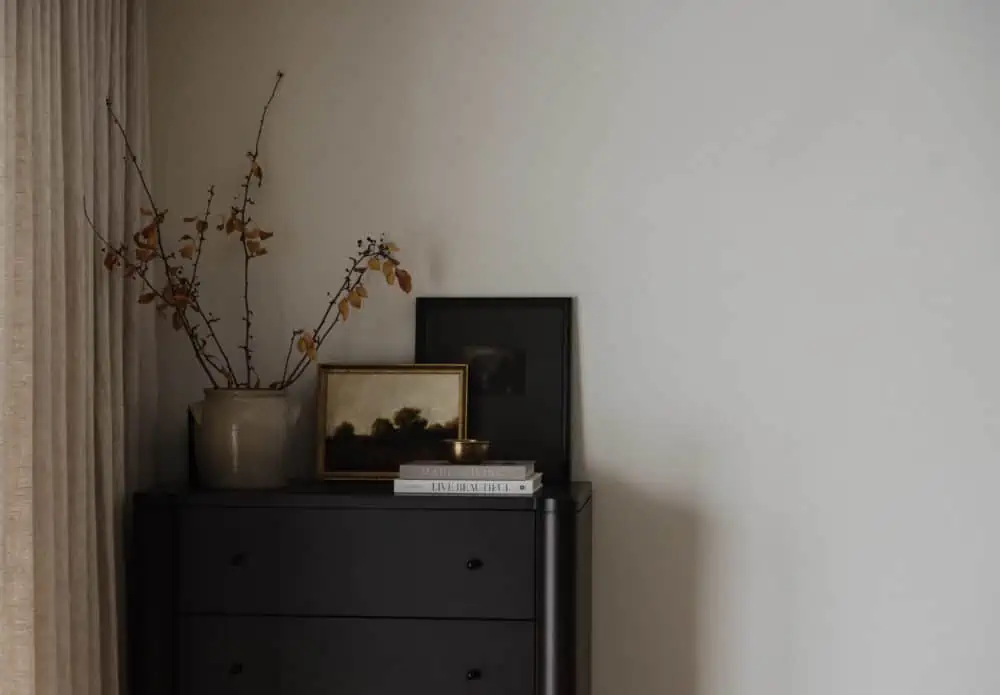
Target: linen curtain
(77,362)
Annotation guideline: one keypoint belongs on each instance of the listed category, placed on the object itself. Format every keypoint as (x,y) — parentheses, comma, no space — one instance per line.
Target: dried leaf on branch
(187,247)
(405,281)
(147,237)
(307,345)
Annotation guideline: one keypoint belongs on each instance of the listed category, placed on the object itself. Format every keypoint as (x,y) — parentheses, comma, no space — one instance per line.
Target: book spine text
(465,487)
(465,472)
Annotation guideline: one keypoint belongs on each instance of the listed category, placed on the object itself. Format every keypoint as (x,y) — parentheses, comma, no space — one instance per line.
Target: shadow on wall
(647,559)
(649,554)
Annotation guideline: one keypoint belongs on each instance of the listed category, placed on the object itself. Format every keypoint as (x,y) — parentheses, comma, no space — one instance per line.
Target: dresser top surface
(369,495)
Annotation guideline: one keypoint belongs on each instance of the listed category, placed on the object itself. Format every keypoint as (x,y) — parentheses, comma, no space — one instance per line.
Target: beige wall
(781,223)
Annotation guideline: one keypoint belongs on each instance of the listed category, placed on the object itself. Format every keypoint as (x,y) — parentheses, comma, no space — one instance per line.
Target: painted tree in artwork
(409,420)
(382,427)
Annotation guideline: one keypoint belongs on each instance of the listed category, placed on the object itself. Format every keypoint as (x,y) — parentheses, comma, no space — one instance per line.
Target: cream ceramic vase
(241,438)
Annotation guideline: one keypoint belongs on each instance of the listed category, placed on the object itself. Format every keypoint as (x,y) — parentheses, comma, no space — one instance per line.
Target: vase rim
(246,391)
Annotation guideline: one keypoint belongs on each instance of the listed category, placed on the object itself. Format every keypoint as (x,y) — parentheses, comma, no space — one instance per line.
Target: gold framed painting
(373,418)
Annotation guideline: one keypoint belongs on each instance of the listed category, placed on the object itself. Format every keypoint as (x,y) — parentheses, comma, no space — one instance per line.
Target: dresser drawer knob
(474,564)
(473,674)
(238,559)
(236,669)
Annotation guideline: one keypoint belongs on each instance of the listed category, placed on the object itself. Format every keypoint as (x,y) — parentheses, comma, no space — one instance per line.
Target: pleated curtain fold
(77,356)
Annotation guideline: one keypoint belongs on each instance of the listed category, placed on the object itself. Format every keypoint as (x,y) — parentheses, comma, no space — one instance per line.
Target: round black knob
(236,669)
(238,559)
(473,674)
(474,564)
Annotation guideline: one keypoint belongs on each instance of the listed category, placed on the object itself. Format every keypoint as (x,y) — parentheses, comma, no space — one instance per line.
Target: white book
(488,470)
(468,487)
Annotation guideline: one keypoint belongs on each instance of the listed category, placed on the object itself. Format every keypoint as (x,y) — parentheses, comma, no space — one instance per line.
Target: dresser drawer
(229,656)
(229,559)
(379,563)
(443,564)
(355,656)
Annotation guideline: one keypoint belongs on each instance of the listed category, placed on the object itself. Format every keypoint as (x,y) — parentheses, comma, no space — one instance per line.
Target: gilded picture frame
(372,418)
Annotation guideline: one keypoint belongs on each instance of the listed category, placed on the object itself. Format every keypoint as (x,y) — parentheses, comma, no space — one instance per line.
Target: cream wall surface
(780,220)
(77,382)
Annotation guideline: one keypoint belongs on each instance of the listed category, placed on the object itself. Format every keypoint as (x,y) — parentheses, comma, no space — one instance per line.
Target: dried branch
(353,279)
(183,295)
(157,215)
(288,358)
(120,253)
(345,288)
(173,272)
(255,170)
(200,226)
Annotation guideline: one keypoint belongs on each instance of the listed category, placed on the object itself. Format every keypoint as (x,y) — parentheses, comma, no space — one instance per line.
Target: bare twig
(200,227)
(135,161)
(244,222)
(228,371)
(288,357)
(211,359)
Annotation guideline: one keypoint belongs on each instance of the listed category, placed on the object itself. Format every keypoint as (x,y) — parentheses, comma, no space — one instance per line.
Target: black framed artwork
(518,353)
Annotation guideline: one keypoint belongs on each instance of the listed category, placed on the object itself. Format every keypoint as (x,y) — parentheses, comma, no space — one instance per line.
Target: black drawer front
(382,563)
(230,656)
(410,564)
(356,656)
(229,560)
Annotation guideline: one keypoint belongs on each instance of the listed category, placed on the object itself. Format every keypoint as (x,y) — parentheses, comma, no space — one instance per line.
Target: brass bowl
(467,451)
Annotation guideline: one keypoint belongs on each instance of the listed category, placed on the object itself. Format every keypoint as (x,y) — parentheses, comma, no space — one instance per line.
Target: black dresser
(347,589)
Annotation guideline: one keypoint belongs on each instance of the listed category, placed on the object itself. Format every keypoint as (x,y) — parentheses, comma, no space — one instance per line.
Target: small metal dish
(467,451)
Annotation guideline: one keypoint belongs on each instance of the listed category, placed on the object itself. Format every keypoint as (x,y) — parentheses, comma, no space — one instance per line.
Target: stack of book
(488,478)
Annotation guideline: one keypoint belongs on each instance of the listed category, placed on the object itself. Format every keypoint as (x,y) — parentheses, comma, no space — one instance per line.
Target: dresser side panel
(584,598)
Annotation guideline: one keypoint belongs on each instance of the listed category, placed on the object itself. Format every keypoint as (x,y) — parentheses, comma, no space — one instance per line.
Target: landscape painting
(372,419)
